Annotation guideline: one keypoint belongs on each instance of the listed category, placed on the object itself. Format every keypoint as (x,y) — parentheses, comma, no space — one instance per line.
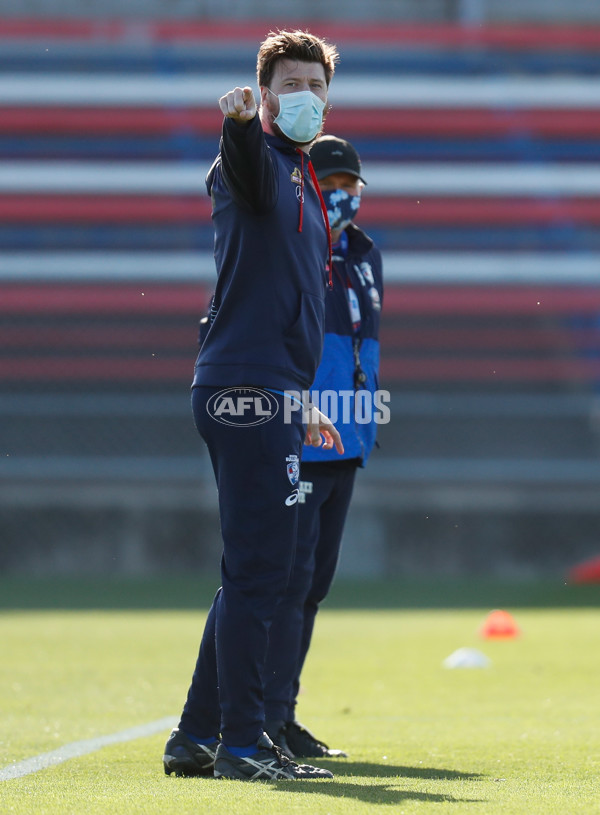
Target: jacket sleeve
(247,167)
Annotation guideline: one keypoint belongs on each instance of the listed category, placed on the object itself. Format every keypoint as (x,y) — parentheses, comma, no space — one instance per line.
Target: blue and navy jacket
(362,268)
(271,250)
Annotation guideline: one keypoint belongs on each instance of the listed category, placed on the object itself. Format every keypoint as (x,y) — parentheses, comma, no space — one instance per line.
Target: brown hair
(298,45)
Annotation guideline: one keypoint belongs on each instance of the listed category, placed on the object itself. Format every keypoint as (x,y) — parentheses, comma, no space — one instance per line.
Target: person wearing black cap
(348,372)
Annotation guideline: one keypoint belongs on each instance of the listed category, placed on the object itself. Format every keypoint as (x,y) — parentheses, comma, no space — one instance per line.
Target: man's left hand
(321,432)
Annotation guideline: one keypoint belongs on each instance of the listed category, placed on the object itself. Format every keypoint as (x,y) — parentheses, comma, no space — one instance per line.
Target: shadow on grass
(368,770)
(385,793)
(371,794)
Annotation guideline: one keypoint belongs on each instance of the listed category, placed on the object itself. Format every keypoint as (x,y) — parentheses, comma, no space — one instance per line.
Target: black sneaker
(268,764)
(186,758)
(275,730)
(302,743)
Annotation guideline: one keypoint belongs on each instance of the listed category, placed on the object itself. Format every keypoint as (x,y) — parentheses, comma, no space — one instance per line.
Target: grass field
(521,736)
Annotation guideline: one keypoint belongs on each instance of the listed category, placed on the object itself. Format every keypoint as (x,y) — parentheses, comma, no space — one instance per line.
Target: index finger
(332,438)
(248,103)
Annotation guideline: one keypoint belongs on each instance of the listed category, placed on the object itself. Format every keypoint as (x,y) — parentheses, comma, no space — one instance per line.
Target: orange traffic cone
(499,625)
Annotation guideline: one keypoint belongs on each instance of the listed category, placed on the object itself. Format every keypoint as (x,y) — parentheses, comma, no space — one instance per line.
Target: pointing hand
(239,105)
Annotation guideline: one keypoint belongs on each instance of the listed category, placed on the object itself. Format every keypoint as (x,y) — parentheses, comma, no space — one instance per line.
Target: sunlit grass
(518,737)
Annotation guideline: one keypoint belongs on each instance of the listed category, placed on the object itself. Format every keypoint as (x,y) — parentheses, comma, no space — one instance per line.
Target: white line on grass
(81,748)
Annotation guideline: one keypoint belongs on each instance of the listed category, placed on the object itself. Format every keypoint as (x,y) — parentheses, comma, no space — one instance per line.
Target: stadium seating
(481,147)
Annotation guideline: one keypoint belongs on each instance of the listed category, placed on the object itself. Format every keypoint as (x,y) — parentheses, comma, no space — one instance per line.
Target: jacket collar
(359,243)
(281,145)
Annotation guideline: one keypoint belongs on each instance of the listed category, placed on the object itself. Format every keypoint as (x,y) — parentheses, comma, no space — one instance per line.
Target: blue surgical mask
(341,207)
(300,115)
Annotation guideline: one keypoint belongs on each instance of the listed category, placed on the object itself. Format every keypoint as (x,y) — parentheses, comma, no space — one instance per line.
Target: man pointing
(264,333)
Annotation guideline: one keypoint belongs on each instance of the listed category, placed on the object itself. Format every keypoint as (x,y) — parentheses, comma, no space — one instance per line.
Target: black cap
(332,155)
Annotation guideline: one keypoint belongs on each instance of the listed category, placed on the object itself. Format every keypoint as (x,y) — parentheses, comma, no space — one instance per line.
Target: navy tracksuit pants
(321,520)
(257,480)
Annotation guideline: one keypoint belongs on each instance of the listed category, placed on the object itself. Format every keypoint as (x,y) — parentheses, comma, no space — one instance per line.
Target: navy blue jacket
(267,317)
(362,266)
